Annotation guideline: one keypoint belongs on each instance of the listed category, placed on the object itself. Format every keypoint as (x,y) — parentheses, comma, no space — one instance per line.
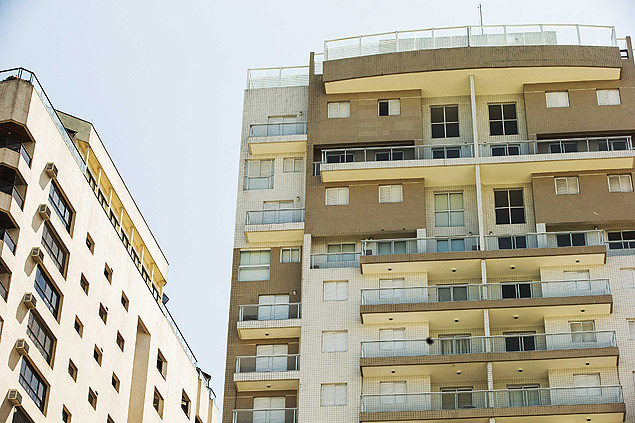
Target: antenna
(480,15)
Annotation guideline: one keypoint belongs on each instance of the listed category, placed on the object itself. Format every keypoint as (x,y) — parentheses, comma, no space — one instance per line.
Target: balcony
(278,372)
(335,260)
(277,138)
(523,404)
(526,253)
(267,321)
(439,164)
(14,152)
(276,415)
(280,225)
(440,303)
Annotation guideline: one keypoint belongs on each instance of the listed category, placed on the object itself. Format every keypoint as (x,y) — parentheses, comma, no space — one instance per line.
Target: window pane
(438,131)
(452,130)
(441,219)
(495,112)
(436,114)
(458,244)
(518,215)
(456,201)
(509,111)
(496,128)
(452,114)
(453,153)
(511,127)
(383,108)
(441,202)
(516,198)
(456,218)
(502,216)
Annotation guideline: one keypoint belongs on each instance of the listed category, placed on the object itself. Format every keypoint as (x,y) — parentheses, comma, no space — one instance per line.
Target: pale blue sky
(163,81)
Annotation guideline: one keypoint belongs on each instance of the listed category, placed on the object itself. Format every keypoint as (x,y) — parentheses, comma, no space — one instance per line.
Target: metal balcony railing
(568,145)
(277,129)
(490,291)
(272,415)
(466,399)
(419,245)
(487,344)
(470,36)
(268,363)
(335,260)
(264,217)
(410,152)
(269,311)
(544,240)
(18,147)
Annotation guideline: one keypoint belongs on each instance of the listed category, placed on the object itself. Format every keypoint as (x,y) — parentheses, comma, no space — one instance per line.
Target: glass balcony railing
(569,145)
(277,129)
(467,399)
(290,76)
(490,291)
(18,147)
(265,217)
(269,415)
(544,240)
(335,260)
(269,312)
(419,245)
(399,153)
(270,363)
(489,344)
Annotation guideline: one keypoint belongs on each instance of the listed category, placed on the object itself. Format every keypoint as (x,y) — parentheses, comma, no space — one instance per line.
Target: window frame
(338,114)
(61,205)
(295,168)
(568,185)
(253,266)
(40,274)
(339,196)
(622,243)
(449,210)
(247,184)
(600,93)
(38,393)
(337,294)
(291,251)
(621,183)
(341,400)
(335,342)
(393,197)
(445,123)
(503,120)
(509,207)
(41,336)
(393,107)
(556,97)
(59,257)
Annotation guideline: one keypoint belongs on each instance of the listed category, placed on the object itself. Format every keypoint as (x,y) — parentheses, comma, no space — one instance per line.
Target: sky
(163,81)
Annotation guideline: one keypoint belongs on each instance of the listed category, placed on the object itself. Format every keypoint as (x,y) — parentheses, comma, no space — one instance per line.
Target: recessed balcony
(605,403)
(268,321)
(277,138)
(276,415)
(276,372)
(13,154)
(282,225)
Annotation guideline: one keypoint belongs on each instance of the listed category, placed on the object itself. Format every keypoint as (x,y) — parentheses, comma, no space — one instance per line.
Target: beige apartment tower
(438,225)
(85,334)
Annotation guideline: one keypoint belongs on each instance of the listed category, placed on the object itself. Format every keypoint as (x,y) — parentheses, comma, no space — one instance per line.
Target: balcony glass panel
(275,363)
(269,312)
(260,217)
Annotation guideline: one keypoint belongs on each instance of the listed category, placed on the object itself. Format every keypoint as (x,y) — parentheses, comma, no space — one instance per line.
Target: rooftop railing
(488,344)
(335,260)
(267,363)
(568,145)
(470,36)
(277,129)
(490,291)
(269,312)
(265,217)
(290,76)
(467,399)
(272,415)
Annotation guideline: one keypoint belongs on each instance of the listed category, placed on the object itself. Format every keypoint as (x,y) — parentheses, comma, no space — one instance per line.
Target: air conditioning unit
(44,211)
(37,255)
(21,346)
(29,300)
(51,170)
(14,397)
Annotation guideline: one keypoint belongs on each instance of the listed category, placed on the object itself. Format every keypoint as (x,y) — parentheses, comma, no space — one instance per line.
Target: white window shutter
(384,194)
(330,291)
(253,168)
(287,165)
(333,110)
(340,394)
(328,395)
(614,97)
(342,196)
(628,278)
(298,165)
(331,196)
(328,341)
(396,194)
(573,185)
(561,186)
(603,97)
(394,107)
(345,109)
(614,183)
(342,291)
(631,329)
(626,184)
(341,341)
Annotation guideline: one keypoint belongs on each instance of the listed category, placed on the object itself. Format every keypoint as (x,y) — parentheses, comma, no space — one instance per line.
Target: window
(92,398)
(337,196)
(455,398)
(145,275)
(456,343)
(83,283)
(109,419)
(254,265)
(574,239)
(283,125)
(389,107)
(392,339)
(185,403)
(258,174)
(450,244)
(608,97)
(60,205)
(124,301)
(341,109)
(333,394)
(563,147)
(275,307)
(557,99)
(113,220)
(90,243)
(102,199)
(47,291)
(120,341)
(66,416)
(103,313)
(33,384)
(520,341)
(290,255)
(505,149)
(509,206)
(452,292)
(79,327)
(578,280)
(586,327)
(292,165)
(569,185)
(391,392)
(620,183)
(631,329)
(41,336)
(446,152)
(503,119)
(108,272)
(628,278)
(72,370)
(336,341)
(1,326)
(621,240)
(98,355)
(162,364)
(588,385)
(114,380)
(391,247)
(91,179)
(525,395)
(157,402)
(390,290)
(335,291)
(513,242)
(445,121)
(335,252)
(54,247)
(448,209)
(391,193)
(20,416)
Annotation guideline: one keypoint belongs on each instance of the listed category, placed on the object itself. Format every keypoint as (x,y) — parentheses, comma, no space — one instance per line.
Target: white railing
(290,76)
(470,36)
(265,217)
(267,363)
(269,311)
(554,146)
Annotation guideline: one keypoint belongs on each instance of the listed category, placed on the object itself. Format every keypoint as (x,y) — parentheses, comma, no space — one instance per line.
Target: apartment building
(438,225)
(85,333)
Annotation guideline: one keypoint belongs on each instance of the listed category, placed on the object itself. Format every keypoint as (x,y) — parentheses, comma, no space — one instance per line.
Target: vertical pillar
(479,194)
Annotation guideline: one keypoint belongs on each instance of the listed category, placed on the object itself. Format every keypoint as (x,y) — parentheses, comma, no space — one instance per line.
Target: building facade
(85,335)
(438,225)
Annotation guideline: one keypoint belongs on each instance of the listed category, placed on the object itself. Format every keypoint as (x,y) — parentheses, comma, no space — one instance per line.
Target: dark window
(509,206)
(563,147)
(92,398)
(47,291)
(108,272)
(446,152)
(162,365)
(91,180)
(612,145)
(120,341)
(124,239)
(103,313)
(90,243)
(571,240)
(113,220)
(66,416)
(79,327)
(41,336)
(61,206)
(135,257)
(115,382)
(72,370)
(97,355)
(387,155)
(522,342)
(621,240)
(83,283)
(512,242)
(383,108)
(102,200)
(54,247)
(185,404)
(124,301)
(19,416)
(339,157)
(506,150)
(452,293)
(445,121)
(157,402)
(33,384)
(516,290)
(503,119)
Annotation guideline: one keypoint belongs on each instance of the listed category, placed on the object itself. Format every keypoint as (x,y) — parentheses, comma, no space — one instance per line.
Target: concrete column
(421,243)
(541,228)
(479,204)
(473,106)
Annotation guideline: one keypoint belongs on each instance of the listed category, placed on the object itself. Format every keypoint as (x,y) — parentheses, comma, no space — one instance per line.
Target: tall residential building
(85,334)
(438,224)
